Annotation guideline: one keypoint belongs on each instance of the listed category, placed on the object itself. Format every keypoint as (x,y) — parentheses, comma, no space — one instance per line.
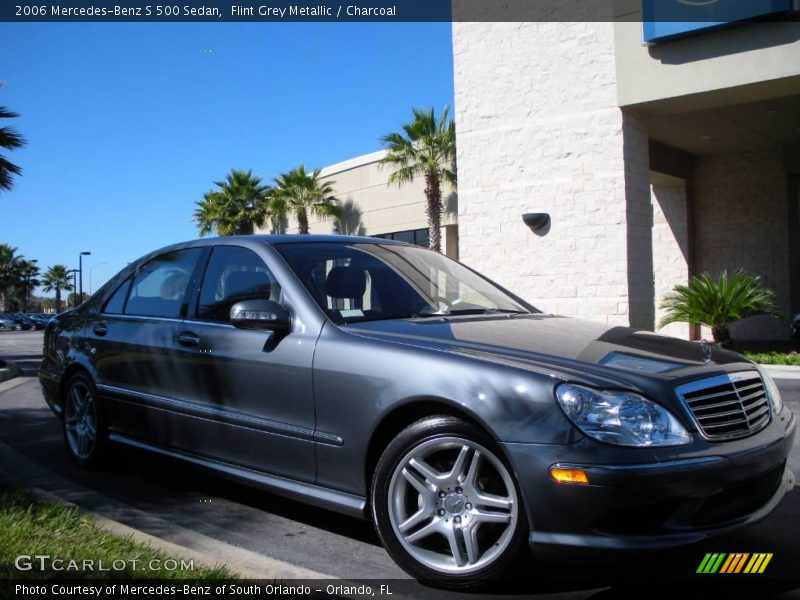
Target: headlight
(772,392)
(619,417)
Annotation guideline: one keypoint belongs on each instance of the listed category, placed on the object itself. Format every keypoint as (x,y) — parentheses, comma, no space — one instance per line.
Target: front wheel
(446,505)
(84,423)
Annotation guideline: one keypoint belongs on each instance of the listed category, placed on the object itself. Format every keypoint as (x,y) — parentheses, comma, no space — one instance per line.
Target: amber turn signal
(562,475)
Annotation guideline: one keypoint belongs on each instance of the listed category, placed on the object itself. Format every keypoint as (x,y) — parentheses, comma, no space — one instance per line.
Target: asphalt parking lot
(173,501)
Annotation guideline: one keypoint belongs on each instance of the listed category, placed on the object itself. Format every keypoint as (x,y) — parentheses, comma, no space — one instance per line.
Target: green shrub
(717,304)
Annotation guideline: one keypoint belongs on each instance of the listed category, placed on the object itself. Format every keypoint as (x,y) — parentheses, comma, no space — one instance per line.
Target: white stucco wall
(757,60)
(539,130)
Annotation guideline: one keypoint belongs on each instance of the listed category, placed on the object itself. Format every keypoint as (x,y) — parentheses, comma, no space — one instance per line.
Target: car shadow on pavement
(176,493)
(28,363)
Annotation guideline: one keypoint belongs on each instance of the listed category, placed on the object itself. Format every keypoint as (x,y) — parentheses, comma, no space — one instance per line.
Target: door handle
(100,329)
(187,338)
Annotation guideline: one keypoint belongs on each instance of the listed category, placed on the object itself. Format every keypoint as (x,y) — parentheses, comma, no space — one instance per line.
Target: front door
(247,394)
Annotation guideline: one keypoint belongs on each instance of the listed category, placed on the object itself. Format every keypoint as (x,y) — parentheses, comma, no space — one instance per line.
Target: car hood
(559,346)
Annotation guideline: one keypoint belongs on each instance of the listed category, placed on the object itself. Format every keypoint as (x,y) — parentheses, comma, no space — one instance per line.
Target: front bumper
(668,497)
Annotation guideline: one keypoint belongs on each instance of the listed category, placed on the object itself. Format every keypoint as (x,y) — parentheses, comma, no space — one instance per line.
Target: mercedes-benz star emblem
(706,352)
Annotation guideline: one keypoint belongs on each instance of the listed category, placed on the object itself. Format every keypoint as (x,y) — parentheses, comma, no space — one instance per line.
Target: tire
(446,505)
(84,424)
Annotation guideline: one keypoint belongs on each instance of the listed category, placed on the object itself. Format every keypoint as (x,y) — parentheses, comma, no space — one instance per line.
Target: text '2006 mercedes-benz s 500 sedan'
(387,381)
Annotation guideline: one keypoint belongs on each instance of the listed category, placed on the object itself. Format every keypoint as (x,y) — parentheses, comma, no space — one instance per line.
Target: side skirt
(340,502)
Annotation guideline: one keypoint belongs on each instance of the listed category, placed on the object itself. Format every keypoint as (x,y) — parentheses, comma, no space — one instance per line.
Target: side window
(234,274)
(116,303)
(159,287)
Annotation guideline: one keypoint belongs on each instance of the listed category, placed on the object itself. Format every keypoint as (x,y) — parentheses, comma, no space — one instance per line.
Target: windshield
(371,282)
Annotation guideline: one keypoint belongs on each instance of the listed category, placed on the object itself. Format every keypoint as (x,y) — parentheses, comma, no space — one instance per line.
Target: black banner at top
(384,10)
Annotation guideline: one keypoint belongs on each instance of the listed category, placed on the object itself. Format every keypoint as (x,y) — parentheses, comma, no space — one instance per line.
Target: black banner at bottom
(391,589)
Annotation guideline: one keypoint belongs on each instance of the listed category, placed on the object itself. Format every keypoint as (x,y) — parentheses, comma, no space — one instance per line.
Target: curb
(209,552)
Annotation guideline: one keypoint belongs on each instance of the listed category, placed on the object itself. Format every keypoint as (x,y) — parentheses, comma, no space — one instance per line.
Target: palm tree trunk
(58,300)
(433,192)
(302,220)
(722,336)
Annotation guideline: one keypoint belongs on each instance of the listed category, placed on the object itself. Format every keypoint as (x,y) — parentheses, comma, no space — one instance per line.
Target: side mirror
(259,314)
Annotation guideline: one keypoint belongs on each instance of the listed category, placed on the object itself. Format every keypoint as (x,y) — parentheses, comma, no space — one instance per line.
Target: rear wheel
(85,428)
(446,505)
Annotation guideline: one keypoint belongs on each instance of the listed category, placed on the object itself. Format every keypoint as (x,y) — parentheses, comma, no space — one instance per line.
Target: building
(373,207)
(653,161)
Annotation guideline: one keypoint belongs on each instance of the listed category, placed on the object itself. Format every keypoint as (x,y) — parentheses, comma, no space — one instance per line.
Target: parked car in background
(9,324)
(24,322)
(40,320)
(386,381)
(795,330)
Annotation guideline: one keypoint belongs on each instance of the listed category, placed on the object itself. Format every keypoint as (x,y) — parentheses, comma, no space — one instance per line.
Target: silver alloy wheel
(443,515)
(80,420)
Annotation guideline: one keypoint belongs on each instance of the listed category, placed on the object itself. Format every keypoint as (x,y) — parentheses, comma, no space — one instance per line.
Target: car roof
(256,239)
(296,238)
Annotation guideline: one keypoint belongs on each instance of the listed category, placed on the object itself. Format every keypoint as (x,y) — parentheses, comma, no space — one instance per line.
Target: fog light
(562,475)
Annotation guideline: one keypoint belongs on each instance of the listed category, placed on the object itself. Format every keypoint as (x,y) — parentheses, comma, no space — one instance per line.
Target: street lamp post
(91,271)
(80,275)
(74,286)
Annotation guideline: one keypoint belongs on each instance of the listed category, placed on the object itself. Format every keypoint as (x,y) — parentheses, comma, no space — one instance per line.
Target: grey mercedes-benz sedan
(387,381)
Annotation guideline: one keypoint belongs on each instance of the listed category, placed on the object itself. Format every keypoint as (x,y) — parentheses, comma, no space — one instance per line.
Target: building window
(418,237)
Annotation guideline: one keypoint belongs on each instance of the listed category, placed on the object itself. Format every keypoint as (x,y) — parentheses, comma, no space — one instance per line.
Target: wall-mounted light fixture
(538,223)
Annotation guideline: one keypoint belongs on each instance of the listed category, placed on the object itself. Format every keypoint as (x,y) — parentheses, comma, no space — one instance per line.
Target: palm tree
(57,278)
(299,193)
(426,147)
(717,304)
(238,205)
(9,140)
(28,281)
(10,263)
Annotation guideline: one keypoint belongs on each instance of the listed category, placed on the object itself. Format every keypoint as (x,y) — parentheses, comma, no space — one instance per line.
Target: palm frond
(9,140)
(716,304)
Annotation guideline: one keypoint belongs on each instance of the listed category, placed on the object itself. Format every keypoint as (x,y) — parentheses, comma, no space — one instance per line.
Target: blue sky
(129,124)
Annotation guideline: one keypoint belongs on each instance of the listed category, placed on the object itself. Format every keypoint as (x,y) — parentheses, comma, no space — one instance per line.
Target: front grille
(727,406)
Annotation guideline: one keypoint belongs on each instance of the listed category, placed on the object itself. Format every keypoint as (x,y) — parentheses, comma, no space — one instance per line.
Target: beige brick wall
(539,130)
(670,247)
(741,221)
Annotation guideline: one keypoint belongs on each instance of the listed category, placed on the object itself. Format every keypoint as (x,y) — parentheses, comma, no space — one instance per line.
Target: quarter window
(418,237)
(160,286)
(234,274)
(116,303)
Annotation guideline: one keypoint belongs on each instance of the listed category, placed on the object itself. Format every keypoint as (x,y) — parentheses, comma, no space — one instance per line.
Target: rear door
(133,344)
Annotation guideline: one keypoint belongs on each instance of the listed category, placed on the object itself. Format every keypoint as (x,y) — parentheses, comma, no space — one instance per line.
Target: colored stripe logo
(736,562)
